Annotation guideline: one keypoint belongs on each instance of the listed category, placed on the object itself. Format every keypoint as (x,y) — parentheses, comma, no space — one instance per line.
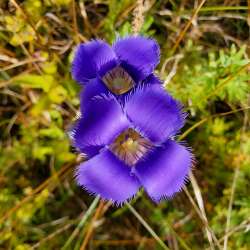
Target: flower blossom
(128,122)
(131,145)
(101,68)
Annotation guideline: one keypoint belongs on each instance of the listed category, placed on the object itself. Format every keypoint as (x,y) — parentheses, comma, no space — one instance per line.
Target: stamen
(130,147)
(118,81)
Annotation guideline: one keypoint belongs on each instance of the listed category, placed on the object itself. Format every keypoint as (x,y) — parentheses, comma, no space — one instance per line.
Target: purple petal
(107,176)
(138,55)
(164,170)
(93,88)
(92,58)
(102,122)
(154,113)
(151,79)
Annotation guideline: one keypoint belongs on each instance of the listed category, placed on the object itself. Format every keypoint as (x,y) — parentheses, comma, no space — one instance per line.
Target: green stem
(82,222)
(145,224)
(222,8)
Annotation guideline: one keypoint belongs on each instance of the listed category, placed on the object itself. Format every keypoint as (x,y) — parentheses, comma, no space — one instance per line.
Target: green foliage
(209,77)
(20,31)
(39,101)
(115,9)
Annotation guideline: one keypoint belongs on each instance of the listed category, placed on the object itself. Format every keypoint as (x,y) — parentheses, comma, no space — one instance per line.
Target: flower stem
(145,224)
(82,222)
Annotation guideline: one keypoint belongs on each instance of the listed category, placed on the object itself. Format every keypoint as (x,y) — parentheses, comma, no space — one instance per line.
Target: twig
(173,71)
(91,227)
(75,26)
(183,32)
(21,63)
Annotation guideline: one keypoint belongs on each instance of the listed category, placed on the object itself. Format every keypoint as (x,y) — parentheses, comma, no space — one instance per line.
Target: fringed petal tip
(186,178)
(103,121)
(193,160)
(165,170)
(92,58)
(107,176)
(163,197)
(138,40)
(160,116)
(138,55)
(71,133)
(114,203)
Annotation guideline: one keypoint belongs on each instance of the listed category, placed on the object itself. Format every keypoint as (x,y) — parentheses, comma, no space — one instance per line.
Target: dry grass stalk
(183,32)
(233,187)
(138,16)
(97,214)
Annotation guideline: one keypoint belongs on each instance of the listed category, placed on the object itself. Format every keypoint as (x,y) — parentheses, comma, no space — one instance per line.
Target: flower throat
(130,146)
(118,81)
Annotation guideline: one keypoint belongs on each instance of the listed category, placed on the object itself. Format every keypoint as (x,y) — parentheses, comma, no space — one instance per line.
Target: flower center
(118,81)
(130,146)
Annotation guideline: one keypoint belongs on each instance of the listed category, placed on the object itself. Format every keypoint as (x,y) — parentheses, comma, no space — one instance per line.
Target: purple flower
(131,145)
(117,69)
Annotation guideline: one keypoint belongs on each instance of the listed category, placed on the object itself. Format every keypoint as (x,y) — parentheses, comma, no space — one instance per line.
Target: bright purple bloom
(128,122)
(103,69)
(131,145)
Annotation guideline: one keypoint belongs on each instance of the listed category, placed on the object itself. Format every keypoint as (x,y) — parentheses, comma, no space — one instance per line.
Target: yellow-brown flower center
(130,146)
(118,81)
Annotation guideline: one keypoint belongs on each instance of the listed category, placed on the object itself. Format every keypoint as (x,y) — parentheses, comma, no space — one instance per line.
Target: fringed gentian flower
(132,145)
(117,69)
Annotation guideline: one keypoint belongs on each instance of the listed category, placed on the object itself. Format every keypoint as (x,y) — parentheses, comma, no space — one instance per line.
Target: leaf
(52,132)
(58,94)
(43,82)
